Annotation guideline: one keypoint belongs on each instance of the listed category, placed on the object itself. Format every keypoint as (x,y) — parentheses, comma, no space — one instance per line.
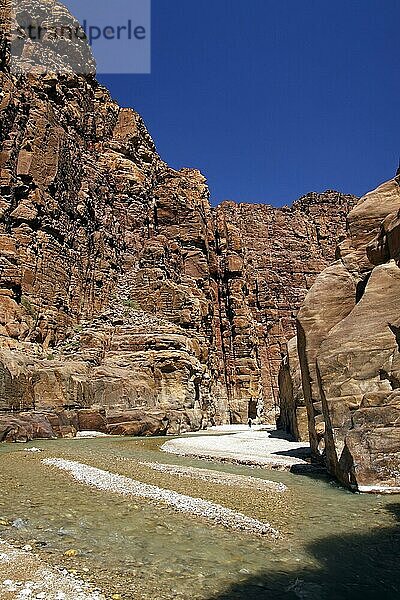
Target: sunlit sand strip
(104,480)
(24,575)
(269,449)
(218,477)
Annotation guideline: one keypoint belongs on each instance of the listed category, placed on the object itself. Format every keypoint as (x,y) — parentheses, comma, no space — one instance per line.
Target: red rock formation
(268,259)
(126,302)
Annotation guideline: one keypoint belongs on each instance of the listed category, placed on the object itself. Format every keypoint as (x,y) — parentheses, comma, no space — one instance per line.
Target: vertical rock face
(268,259)
(332,298)
(349,349)
(106,294)
(128,304)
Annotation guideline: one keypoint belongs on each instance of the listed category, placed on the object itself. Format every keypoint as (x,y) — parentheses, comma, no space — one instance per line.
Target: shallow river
(334,544)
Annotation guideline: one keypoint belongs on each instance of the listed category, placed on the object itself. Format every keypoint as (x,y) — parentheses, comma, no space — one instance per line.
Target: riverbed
(332,544)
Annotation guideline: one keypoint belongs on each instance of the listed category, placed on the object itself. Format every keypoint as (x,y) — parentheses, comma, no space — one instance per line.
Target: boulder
(24,427)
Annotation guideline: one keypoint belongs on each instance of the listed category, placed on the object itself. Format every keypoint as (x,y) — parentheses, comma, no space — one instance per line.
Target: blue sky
(272,99)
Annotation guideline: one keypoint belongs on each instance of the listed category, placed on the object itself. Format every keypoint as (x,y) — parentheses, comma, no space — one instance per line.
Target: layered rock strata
(128,304)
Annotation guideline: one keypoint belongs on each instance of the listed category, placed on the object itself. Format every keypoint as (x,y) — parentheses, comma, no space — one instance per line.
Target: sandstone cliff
(267,260)
(348,342)
(128,304)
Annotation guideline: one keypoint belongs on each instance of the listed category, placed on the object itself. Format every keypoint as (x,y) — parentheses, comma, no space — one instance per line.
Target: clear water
(335,545)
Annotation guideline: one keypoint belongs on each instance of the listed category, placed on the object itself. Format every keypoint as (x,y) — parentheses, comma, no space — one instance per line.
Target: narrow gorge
(199,399)
(128,303)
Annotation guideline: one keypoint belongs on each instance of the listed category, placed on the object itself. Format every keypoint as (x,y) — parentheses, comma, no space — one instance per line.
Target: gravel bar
(218,477)
(112,482)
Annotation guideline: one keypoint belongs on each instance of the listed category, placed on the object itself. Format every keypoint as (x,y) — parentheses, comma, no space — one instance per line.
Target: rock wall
(268,258)
(348,338)
(128,304)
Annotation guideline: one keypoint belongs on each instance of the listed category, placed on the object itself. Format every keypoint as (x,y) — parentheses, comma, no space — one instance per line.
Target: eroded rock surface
(268,259)
(127,304)
(349,349)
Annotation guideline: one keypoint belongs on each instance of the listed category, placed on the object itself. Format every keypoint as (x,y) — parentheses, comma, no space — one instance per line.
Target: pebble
(107,481)
(18,523)
(44,581)
(5,523)
(218,477)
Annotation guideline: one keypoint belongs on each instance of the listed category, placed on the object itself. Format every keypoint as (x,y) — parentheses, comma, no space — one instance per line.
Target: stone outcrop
(127,303)
(331,299)
(293,412)
(348,338)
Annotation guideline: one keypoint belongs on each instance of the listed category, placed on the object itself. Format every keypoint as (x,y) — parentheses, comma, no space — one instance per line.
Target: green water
(334,544)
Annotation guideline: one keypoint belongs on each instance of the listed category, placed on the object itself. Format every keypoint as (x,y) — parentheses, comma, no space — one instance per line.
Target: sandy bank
(262,447)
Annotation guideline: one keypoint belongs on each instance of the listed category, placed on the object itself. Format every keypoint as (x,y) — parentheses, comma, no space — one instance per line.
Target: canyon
(130,305)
